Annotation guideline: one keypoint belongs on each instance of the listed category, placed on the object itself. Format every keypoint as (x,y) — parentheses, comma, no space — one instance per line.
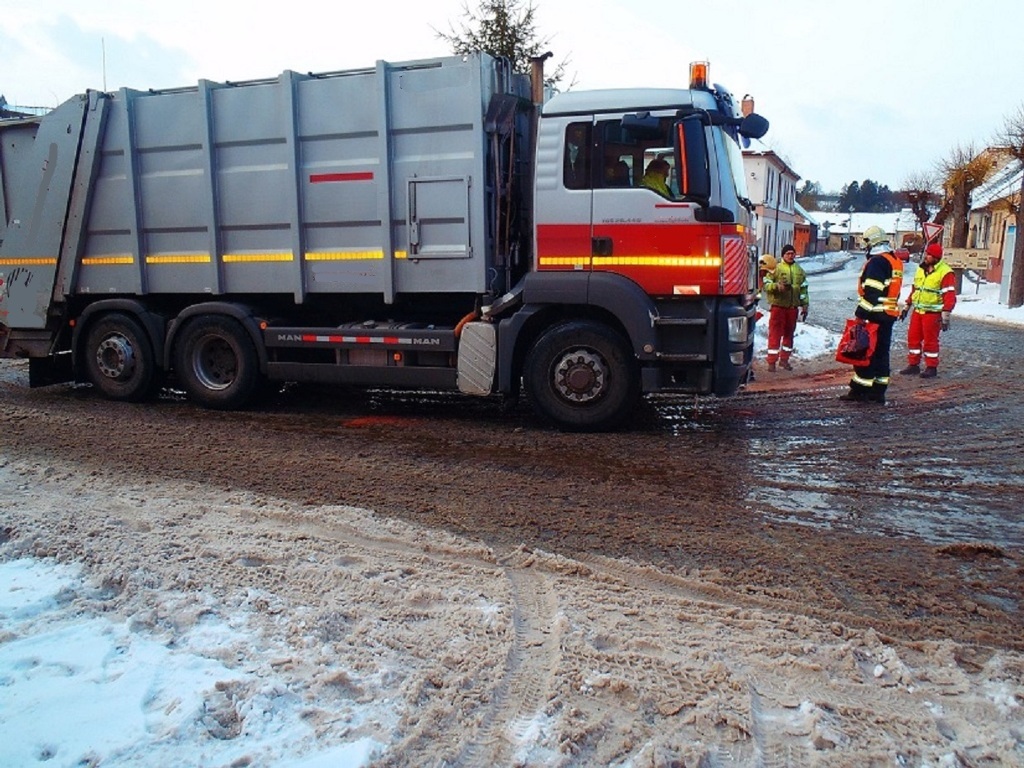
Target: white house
(771,184)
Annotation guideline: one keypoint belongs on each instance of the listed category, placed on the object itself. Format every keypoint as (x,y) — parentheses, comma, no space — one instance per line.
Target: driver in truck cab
(656,177)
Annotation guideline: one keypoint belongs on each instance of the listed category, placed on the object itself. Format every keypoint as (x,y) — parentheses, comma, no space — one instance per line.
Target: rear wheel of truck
(119,359)
(582,376)
(216,362)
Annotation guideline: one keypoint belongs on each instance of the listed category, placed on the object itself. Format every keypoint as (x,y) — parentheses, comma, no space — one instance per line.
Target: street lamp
(849,229)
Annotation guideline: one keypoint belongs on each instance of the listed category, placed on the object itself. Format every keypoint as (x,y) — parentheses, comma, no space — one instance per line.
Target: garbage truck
(440,224)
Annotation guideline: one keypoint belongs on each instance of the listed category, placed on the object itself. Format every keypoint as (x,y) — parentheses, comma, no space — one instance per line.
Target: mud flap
(478,353)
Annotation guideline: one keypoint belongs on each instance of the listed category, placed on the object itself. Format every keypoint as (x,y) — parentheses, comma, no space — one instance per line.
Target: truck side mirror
(692,148)
(753,126)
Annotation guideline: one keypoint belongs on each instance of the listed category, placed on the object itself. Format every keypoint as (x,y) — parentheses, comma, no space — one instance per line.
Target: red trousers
(923,338)
(781,327)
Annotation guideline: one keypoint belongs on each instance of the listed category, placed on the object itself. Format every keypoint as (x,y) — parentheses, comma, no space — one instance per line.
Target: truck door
(564,194)
(644,227)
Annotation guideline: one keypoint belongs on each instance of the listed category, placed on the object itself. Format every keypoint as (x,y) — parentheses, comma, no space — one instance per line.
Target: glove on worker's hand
(945,321)
(803,314)
(903,314)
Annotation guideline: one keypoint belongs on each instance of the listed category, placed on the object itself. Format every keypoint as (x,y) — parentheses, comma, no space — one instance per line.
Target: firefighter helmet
(768,262)
(874,235)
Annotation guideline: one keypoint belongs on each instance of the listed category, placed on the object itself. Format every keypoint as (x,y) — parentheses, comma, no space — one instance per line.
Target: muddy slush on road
(776,578)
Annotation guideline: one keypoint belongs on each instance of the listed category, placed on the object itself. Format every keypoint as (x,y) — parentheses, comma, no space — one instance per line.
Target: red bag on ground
(857,343)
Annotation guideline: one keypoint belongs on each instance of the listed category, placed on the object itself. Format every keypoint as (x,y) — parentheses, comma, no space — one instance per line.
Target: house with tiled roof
(991,225)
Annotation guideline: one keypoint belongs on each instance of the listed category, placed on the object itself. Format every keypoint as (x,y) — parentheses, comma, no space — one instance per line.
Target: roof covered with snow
(839,223)
(1004,182)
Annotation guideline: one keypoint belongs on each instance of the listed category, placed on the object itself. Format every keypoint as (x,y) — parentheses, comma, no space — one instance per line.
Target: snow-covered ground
(90,689)
(86,690)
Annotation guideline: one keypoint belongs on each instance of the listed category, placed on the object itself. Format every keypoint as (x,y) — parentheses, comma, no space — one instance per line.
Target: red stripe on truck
(320,178)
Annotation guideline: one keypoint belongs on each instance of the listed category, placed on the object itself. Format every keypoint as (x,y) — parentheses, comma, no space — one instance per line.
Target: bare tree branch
(962,171)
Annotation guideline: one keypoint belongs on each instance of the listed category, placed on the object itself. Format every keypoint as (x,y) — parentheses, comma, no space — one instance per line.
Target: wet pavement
(908,515)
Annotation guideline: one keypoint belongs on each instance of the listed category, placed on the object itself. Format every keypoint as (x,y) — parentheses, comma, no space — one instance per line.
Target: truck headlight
(738,329)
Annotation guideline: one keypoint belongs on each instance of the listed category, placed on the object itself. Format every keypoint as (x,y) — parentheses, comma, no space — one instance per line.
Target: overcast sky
(854,90)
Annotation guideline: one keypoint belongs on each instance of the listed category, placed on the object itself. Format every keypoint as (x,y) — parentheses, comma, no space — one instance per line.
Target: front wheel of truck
(119,358)
(581,375)
(216,362)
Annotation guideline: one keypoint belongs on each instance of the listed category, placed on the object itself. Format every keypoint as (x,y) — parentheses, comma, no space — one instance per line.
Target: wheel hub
(115,358)
(580,376)
(215,364)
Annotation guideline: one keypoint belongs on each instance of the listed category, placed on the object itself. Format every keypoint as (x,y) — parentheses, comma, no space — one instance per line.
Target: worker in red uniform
(879,287)
(786,288)
(929,304)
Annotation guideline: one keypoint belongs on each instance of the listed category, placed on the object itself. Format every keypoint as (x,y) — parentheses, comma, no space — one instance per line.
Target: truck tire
(119,359)
(216,362)
(582,376)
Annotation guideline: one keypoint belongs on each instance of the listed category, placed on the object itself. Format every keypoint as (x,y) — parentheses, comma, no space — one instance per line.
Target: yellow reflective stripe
(350,255)
(236,258)
(874,284)
(179,258)
(862,381)
(632,261)
(344,255)
(92,261)
(564,261)
(164,258)
(202,258)
(29,261)
(657,261)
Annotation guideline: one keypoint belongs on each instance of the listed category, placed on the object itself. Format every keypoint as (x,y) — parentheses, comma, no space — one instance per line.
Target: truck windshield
(735,159)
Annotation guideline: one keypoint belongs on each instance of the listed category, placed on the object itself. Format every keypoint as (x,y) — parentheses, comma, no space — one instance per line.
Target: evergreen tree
(503,28)
(867,197)
(849,196)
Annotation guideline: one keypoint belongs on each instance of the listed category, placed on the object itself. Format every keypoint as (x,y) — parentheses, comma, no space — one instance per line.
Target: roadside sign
(931,231)
(966,258)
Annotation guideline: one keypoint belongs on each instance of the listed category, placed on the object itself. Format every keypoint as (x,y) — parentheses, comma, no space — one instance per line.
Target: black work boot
(929,373)
(911,370)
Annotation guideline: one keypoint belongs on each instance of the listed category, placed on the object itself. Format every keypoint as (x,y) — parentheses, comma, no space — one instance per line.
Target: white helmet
(875,235)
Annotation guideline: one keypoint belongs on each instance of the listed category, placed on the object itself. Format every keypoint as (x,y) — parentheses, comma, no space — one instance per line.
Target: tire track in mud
(648,578)
(769,748)
(789,728)
(531,662)
(530,669)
